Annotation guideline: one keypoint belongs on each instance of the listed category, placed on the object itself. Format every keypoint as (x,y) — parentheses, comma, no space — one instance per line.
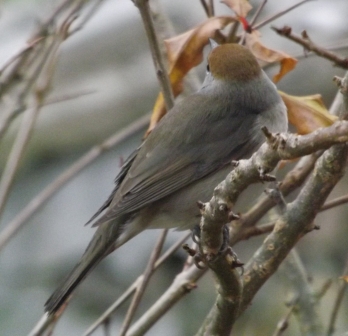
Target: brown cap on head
(233,62)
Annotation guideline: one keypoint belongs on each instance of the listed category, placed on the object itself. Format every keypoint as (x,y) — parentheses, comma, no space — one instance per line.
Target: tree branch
(150,268)
(45,195)
(305,41)
(293,180)
(134,285)
(298,218)
(338,301)
(303,298)
(161,72)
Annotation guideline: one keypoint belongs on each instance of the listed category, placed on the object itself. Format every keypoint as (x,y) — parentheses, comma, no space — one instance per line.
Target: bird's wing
(118,180)
(180,150)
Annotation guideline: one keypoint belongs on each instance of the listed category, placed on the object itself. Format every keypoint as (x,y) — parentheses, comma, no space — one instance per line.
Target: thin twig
(27,125)
(205,7)
(232,34)
(277,15)
(134,285)
(107,327)
(20,53)
(87,17)
(39,35)
(67,97)
(335,202)
(208,7)
(253,231)
(282,325)
(149,270)
(47,321)
(32,66)
(60,8)
(24,61)
(258,12)
(34,205)
(338,301)
(292,181)
(43,324)
(211,8)
(16,154)
(302,295)
(183,284)
(310,46)
(161,72)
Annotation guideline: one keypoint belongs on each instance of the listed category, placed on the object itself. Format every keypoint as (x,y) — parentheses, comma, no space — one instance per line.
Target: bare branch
(338,301)
(249,232)
(299,216)
(208,7)
(150,268)
(283,146)
(183,284)
(293,180)
(303,297)
(161,72)
(44,69)
(247,172)
(335,202)
(258,12)
(133,287)
(226,308)
(282,325)
(35,204)
(67,97)
(305,41)
(278,15)
(295,223)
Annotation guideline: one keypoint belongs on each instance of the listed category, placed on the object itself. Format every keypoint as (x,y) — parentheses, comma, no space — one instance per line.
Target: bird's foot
(196,234)
(197,257)
(226,250)
(264,177)
(201,259)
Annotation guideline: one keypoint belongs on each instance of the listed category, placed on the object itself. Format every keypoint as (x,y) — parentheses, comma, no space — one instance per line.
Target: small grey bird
(187,154)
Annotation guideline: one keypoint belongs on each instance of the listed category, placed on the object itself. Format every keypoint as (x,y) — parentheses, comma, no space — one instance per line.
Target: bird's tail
(102,243)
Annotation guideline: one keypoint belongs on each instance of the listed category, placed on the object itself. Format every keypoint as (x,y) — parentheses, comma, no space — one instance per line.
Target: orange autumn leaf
(184,52)
(240,7)
(344,277)
(307,113)
(287,63)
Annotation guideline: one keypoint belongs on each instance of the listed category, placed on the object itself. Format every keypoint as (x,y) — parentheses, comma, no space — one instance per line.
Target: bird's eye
(208,68)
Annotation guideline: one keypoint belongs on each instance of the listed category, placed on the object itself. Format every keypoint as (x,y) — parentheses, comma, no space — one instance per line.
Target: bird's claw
(264,177)
(196,233)
(225,239)
(200,260)
(197,257)
(234,261)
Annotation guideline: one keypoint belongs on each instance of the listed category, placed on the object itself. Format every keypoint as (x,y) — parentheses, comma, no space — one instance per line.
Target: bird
(184,157)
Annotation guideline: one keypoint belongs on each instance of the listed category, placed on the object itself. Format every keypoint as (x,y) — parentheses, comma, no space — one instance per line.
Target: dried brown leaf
(240,7)
(263,53)
(307,113)
(344,277)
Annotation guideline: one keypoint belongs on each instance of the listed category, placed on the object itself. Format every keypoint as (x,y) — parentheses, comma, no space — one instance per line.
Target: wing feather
(163,165)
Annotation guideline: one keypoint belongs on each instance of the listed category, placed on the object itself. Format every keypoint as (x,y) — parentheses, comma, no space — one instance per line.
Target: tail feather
(62,293)
(102,243)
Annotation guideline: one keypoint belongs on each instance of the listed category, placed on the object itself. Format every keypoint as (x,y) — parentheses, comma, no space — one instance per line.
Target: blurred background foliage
(108,65)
